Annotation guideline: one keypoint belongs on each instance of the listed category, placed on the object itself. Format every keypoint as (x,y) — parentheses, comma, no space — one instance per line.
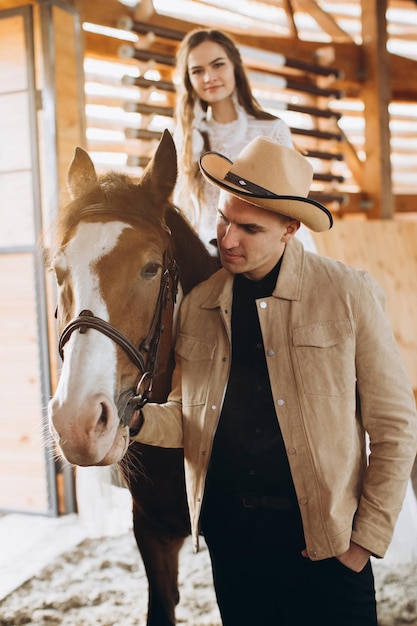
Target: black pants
(261,579)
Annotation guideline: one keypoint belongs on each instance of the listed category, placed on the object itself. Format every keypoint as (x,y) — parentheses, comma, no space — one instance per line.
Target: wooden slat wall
(69,88)
(23,484)
(298,90)
(387,249)
(360,82)
(42,120)
(22,465)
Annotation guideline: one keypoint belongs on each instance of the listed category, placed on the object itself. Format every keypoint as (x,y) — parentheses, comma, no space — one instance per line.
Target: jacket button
(270,352)
(213,407)
(312,552)
(263,304)
(303,500)
(280,402)
(291,450)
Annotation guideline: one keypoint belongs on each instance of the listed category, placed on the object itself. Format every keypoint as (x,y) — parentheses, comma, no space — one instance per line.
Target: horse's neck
(193,259)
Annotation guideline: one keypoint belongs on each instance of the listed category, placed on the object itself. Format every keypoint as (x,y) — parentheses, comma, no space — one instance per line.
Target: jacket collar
(221,288)
(290,276)
(288,286)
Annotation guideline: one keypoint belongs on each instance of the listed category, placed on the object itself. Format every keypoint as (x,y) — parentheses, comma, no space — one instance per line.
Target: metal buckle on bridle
(142,397)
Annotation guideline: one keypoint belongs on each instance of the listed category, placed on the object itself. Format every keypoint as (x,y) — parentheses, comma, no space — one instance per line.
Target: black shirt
(248,454)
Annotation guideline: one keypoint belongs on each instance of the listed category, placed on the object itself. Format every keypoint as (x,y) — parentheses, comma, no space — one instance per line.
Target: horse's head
(116,277)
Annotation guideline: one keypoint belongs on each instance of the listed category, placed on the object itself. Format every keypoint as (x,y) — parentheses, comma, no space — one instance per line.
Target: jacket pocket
(325,354)
(196,359)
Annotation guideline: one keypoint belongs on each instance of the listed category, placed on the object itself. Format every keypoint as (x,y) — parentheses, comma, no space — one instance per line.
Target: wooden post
(377,184)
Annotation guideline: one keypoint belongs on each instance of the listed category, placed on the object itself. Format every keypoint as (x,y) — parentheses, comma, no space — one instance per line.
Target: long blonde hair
(187,98)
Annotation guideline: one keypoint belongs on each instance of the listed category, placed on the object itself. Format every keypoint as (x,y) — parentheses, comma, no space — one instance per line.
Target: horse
(119,248)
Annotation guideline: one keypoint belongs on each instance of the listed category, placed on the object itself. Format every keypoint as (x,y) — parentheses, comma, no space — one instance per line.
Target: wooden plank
(359,203)
(69,94)
(406,203)
(16,215)
(324,20)
(13,4)
(13,75)
(288,8)
(14,132)
(95,13)
(13,488)
(22,479)
(387,249)
(403,78)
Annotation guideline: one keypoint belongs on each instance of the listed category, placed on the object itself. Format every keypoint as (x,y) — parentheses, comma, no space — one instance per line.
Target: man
(284,361)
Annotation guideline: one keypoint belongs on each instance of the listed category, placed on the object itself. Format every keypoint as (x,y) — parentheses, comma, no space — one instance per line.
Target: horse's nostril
(104,416)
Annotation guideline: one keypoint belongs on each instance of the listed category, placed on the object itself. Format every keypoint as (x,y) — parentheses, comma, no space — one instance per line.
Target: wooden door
(27,470)
(42,119)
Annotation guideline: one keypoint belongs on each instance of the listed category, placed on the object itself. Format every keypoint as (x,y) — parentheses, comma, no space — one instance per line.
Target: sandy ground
(85,570)
(101,582)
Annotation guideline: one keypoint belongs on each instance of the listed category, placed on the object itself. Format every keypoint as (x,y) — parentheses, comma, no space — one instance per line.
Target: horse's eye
(150,270)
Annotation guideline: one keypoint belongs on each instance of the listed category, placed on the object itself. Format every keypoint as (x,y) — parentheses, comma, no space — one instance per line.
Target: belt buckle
(250,501)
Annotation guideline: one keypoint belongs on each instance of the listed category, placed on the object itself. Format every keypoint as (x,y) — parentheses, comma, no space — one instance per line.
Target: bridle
(145,356)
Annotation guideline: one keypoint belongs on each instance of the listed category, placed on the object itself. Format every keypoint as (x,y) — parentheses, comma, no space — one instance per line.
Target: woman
(215,110)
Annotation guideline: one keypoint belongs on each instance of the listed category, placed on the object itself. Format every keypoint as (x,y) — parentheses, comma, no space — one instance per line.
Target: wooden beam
(403,78)
(352,160)
(143,28)
(95,13)
(145,12)
(324,20)
(289,11)
(406,203)
(359,203)
(377,183)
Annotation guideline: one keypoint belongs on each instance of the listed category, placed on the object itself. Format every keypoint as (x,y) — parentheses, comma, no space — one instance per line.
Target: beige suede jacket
(335,372)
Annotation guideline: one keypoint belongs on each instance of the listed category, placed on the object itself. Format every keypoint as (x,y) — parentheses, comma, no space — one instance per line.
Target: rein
(145,356)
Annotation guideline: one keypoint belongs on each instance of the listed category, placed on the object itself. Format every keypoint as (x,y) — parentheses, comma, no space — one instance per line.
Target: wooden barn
(101,74)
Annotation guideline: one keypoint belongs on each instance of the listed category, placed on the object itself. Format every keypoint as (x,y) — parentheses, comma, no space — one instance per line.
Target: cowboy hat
(271,176)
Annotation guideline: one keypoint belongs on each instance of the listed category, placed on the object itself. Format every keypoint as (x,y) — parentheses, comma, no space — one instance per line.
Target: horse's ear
(81,176)
(160,174)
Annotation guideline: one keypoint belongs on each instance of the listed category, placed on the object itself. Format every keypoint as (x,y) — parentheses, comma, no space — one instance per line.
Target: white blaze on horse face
(83,415)
(91,242)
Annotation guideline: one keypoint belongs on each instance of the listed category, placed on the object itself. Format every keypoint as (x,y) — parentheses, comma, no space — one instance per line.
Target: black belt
(277,503)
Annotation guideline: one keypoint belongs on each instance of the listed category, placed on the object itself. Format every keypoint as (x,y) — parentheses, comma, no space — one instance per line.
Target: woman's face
(211,72)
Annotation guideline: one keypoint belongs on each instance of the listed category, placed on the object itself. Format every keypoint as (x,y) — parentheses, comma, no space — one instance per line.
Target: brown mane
(116,197)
